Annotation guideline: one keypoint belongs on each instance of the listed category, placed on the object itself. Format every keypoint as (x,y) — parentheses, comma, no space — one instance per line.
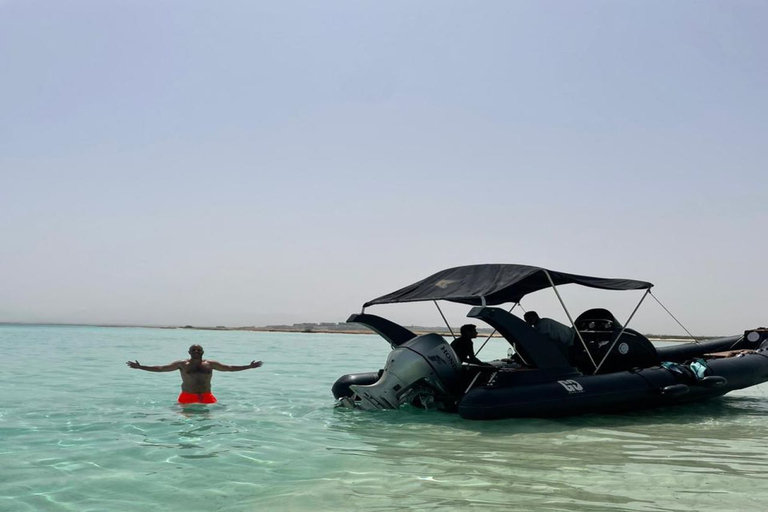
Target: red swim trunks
(196,398)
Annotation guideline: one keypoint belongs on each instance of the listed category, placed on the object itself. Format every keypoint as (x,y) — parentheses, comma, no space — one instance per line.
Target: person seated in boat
(560,333)
(196,374)
(463,345)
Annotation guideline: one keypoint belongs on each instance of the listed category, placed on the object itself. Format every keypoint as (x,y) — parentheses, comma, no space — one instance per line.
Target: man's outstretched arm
(164,368)
(231,368)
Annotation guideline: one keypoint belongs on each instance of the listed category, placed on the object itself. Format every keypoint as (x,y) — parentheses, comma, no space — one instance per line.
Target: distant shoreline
(326,328)
(418,331)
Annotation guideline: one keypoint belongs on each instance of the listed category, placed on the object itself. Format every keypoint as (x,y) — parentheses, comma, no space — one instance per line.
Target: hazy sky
(245,163)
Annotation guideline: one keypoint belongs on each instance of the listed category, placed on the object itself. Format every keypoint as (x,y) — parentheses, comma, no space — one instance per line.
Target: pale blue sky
(245,163)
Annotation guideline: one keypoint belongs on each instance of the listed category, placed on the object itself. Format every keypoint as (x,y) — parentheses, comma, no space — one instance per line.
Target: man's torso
(196,376)
(464,349)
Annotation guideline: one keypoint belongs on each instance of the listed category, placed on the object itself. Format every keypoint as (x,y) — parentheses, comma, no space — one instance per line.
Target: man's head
(196,351)
(468,331)
(531,318)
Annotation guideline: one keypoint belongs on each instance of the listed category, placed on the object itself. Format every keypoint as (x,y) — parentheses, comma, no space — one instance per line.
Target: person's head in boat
(196,351)
(468,331)
(531,318)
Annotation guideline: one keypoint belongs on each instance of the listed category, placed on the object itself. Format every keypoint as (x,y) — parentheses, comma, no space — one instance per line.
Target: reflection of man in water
(562,334)
(196,374)
(463,345)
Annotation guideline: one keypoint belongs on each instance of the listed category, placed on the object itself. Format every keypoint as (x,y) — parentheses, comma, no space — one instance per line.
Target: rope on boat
(477,374)
(673,316)
(737,342)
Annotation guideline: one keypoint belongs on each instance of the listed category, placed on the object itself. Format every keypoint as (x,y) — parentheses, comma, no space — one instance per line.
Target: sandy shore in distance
(417,331)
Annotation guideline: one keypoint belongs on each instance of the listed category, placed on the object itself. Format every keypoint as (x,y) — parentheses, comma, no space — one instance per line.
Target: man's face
(473,333)
(196,351)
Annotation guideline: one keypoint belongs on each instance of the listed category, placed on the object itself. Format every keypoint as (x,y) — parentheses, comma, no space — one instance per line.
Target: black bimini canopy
(496,284)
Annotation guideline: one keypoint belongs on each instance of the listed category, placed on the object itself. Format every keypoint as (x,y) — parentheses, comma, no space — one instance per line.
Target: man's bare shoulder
(216,365)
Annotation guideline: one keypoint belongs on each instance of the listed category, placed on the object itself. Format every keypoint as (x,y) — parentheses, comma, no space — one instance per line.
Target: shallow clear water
(80,431)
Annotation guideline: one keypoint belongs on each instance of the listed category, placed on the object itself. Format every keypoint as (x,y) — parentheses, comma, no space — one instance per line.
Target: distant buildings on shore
(332,327)
(349,328)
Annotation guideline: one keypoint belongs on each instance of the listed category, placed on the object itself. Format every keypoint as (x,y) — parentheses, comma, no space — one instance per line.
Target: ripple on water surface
(101,437)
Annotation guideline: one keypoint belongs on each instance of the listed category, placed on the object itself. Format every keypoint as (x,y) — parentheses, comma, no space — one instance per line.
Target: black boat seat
(599,328)
(536,349)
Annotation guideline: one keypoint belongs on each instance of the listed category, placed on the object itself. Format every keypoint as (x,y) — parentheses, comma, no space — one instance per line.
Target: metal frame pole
(494,331)
(622,330)
(673,317)
(444,320)
(551,282)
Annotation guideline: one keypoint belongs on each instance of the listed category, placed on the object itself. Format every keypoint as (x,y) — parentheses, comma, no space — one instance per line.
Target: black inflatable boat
(608,367)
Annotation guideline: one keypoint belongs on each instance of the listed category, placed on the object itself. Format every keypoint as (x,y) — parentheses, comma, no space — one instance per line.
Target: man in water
(196,374)
(560,333)
(463,345)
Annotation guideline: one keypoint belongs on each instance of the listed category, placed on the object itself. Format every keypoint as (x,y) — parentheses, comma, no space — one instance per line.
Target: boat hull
(614,392)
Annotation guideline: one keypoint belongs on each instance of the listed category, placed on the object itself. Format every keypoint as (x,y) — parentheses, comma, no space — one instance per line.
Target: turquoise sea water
(80,431)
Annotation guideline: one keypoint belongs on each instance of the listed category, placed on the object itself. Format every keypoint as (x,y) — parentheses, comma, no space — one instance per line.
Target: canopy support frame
(444,319)
(624,328)
(494,331)
(673,317)
(568,314)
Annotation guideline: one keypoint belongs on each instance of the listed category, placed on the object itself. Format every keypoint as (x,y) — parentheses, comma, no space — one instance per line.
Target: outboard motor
(425,366)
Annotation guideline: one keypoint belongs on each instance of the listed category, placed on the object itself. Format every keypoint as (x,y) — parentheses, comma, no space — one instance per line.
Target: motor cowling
(425,362)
